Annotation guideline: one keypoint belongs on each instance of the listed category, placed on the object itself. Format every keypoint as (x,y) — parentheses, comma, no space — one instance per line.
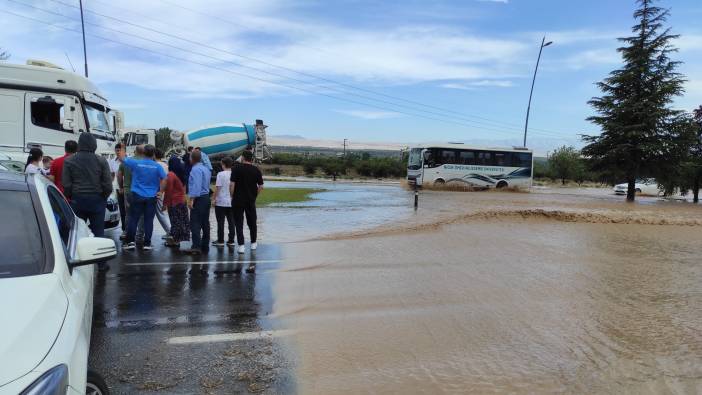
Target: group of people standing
(84,178)
(148,187)
(177,193)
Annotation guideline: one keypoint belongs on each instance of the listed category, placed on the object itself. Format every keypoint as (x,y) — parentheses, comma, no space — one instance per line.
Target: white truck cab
(42,105)
(133,137)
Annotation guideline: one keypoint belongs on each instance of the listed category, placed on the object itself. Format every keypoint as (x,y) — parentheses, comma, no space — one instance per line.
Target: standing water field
(481,292)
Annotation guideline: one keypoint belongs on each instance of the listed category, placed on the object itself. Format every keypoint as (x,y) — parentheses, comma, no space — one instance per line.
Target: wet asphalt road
(152,308)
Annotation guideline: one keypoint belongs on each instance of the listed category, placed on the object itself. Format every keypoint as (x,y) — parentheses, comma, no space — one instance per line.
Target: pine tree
(696,156)
(640,130)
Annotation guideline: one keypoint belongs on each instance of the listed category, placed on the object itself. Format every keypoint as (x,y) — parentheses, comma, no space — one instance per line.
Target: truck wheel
(96,385)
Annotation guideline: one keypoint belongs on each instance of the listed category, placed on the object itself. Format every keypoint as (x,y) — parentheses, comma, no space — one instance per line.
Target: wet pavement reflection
(149,298)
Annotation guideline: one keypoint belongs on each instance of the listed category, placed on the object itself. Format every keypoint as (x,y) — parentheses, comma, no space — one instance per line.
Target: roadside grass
(284,195)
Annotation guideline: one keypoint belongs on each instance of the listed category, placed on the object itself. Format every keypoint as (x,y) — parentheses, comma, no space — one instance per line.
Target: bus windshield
(415,159)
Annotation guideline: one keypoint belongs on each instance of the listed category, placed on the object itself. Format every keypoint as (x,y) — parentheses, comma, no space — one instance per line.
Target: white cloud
(689,42)
(402,55)
(593,57)
(366,114)
(472,85)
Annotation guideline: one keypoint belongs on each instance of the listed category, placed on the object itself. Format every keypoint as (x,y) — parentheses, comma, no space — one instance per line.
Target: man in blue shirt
(148,179)
(199,203)
(204,158)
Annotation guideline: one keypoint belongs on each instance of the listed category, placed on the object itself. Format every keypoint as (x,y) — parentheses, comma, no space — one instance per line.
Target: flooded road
(339,208)
(546,292)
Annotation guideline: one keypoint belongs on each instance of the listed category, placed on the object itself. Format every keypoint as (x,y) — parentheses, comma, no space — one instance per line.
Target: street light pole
(544,44)
(82,26)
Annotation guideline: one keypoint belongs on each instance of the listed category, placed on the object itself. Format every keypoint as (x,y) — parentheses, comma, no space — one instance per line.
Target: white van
(42,105)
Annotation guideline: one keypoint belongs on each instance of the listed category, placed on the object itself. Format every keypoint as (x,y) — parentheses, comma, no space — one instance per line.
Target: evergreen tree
(639,128)
(163,139)
(695,162)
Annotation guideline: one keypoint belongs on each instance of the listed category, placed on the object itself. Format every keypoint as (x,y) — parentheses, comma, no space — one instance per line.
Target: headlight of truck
(53,382)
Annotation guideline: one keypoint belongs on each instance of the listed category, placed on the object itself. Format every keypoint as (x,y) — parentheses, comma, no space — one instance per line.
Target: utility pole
(544,44)
(82,26)
(345,140)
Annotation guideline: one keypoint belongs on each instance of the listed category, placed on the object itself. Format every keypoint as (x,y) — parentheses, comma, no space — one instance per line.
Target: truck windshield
(99,126)
(415,159)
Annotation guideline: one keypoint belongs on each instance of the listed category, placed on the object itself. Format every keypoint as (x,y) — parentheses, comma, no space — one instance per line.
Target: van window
(47,113)
(21,248)
(63,215)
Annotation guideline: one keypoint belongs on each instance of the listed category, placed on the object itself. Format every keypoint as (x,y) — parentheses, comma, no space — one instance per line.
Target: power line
(242,74)
(192,10)
(460,116)
(482,125)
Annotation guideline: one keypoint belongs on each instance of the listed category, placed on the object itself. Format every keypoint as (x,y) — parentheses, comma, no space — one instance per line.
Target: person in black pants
(223,203)
(246,183)
(199,204)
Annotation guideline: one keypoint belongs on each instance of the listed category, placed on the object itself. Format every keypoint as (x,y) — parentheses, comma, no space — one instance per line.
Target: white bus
(459,164)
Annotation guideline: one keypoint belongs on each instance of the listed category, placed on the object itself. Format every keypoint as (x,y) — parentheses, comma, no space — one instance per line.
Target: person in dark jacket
(87,183)
(188,165)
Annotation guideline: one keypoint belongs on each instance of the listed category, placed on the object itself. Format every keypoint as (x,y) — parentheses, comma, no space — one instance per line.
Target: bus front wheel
(439,183)
(501,184)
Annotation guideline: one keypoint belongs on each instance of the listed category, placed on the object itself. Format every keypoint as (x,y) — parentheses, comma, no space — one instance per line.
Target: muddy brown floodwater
(501,293)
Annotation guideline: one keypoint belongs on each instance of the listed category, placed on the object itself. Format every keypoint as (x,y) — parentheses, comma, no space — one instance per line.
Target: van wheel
(440,182)
(637,190)
(501,184)
(96,385)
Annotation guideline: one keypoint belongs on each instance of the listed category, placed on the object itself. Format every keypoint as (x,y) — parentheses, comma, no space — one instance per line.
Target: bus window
(500,158)
(484,158)
(466,157)
(429,158)
(448,157)
(521,159)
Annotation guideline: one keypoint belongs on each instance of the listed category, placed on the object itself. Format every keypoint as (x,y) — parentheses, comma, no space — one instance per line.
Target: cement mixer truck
(225,139)
(216,141)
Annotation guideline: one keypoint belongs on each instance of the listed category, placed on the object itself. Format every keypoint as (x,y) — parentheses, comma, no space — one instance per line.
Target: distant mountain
(287,136)
(540,145)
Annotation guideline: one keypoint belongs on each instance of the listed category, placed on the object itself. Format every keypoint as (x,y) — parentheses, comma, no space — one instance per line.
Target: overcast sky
(399,63)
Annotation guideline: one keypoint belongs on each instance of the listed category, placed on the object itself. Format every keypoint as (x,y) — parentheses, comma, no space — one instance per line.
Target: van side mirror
(90,250)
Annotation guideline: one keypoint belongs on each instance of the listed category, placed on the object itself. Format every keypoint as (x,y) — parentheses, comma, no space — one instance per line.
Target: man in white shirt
(223,204)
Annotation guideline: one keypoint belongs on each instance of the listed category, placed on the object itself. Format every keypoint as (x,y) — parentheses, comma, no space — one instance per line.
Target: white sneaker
(254,246)
(129,246)
(241,249)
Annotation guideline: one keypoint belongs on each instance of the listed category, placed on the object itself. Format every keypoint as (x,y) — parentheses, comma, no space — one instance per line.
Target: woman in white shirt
(223,204)
(34,165)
